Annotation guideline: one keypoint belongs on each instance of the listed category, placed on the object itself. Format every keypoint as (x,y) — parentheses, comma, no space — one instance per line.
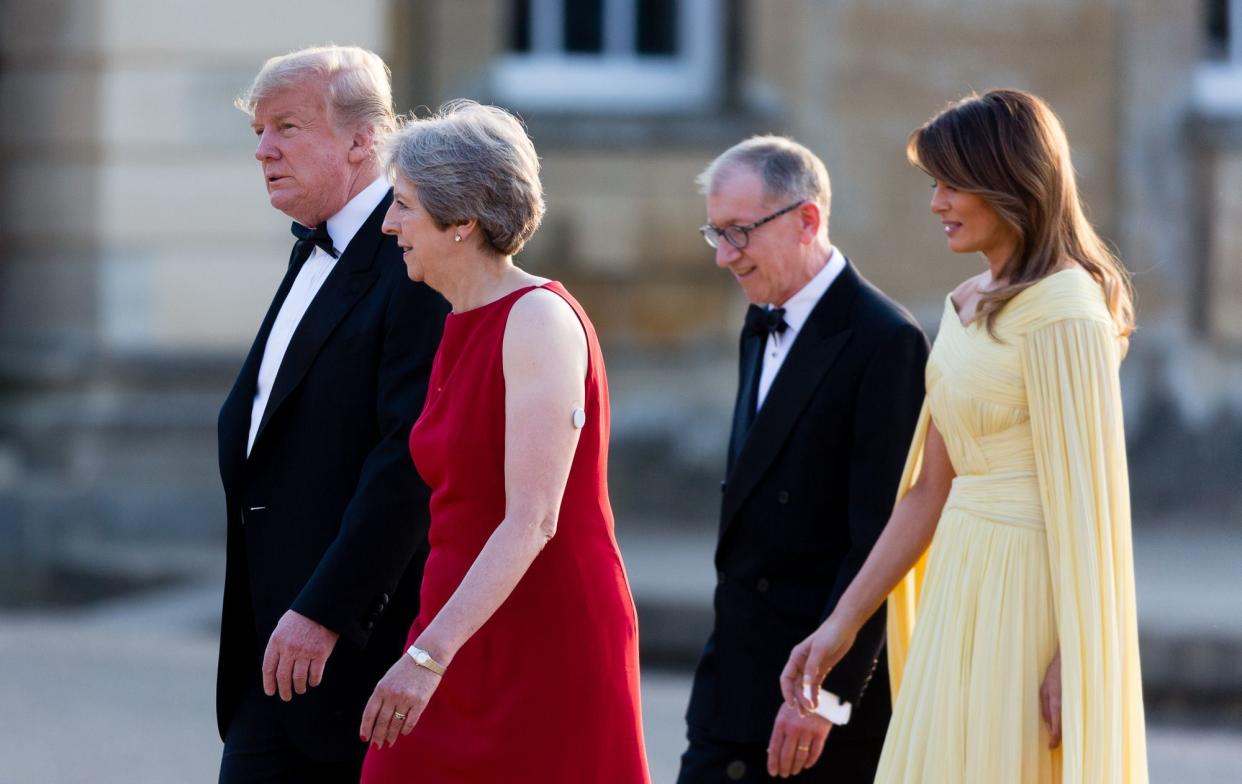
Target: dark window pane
(584,30)
(657,27)
(1219,27)
(519,30)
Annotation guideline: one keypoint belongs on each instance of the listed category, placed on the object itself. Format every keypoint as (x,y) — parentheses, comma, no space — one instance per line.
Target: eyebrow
(730,222)
(276,117)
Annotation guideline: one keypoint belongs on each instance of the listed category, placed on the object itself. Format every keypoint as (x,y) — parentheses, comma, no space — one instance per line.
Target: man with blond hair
(327,517)
(830,385)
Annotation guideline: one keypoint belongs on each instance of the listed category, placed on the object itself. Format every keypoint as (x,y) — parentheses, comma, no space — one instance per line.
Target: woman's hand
(1050,701)
(404,690)
(810,661)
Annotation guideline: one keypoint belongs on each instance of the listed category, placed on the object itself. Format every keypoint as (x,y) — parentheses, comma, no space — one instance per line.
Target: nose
(939,201)
(267,149)
(390,225)
(726,254)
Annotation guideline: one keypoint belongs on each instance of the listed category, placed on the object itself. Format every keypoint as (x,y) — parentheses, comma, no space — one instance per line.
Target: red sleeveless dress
(547,690)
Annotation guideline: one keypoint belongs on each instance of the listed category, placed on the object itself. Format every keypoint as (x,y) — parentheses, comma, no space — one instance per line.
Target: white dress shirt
(797,310)
(341,227)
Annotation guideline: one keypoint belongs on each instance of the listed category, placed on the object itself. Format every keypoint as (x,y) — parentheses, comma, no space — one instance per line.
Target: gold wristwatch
(423,659)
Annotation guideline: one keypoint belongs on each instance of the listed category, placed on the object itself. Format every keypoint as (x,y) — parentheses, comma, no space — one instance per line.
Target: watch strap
(424,659)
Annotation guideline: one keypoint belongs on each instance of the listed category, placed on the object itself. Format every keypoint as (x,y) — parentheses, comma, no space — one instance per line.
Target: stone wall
(140,256)
(140,251)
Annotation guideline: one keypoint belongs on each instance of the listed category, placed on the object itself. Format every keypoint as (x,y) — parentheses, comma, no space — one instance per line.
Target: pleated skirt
(968,709)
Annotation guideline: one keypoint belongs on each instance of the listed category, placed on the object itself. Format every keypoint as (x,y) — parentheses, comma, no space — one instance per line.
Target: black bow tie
(308,238)
(762,322)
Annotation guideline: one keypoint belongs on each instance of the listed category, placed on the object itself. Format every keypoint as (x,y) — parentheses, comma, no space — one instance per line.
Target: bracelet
(423,659)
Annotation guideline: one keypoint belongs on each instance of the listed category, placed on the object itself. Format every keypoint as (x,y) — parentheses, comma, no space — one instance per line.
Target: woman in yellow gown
(1013,643)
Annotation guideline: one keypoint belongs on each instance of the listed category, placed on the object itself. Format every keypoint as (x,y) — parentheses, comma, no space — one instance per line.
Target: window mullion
(1233,35)
(619,28)
(547,25)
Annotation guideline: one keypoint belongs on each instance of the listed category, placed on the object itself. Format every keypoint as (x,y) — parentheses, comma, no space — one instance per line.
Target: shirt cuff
(831,707)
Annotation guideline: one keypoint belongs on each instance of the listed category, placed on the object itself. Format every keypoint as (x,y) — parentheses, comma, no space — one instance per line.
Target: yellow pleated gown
(1032,554)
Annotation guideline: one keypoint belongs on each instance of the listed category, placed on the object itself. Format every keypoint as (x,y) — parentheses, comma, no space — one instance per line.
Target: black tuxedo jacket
(810,491)
(327,516)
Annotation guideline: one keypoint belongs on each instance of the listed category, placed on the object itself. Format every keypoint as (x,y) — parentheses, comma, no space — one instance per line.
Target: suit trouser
(708,761)
(258,751)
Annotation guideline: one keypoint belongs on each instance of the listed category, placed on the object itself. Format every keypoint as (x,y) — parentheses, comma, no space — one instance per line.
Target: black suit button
(782,497)
(761,585)
(736,770)
(720,578)
(722,485)
(368,625)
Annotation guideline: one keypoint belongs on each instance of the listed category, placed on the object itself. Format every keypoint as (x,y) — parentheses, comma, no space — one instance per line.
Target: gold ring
(804,748)
(398,715)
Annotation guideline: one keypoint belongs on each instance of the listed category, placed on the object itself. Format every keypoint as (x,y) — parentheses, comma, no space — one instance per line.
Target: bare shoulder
(541,310)
(543,323)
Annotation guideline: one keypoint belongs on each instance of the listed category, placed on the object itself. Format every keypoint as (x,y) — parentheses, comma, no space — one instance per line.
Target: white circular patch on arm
(579,418)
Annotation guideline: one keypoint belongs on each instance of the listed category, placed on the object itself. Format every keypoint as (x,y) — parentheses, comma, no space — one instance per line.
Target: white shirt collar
(798,307)
(345,224)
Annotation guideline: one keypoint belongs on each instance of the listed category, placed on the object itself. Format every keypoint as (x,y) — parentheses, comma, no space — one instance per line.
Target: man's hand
(797,741)
(296,655)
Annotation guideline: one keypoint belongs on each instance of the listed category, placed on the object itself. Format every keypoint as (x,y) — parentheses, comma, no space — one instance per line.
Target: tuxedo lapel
(816,347)
(751,355)
(234,425)
(352,276)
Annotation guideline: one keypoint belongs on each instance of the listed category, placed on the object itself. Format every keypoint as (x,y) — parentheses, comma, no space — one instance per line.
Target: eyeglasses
(739,236)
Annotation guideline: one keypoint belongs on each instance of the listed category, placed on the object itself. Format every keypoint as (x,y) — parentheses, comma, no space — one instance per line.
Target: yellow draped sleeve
(903,600)
(1069,367)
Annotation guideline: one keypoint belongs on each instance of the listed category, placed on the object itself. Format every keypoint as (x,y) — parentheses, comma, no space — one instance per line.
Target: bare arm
(545,365)
(905,538)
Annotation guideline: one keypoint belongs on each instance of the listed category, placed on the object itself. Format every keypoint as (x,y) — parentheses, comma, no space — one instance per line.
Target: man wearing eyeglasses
(830,387)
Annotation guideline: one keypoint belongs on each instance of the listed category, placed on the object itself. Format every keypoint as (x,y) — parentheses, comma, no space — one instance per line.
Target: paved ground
(104,697)
(122,691)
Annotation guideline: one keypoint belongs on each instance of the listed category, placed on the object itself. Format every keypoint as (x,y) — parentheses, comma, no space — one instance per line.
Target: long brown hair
(1009,147)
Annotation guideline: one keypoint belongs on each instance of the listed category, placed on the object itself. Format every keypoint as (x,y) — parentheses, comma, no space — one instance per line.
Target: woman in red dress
(523,665)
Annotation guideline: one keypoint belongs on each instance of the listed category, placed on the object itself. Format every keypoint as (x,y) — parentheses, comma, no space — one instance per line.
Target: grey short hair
(359,84)
(472,161)
(787,169)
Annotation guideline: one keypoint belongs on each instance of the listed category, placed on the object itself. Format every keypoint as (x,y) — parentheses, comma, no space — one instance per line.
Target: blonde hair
(1009,147)
(359,84)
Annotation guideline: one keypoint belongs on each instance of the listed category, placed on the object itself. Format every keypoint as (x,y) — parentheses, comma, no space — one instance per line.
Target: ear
(810,216)
(466,229)
(362,145)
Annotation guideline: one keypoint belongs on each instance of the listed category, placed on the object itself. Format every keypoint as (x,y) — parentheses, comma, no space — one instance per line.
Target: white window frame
(618,80)
(1218,84)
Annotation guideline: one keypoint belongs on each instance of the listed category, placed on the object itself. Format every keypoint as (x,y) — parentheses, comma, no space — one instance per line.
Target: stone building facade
(140,251)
